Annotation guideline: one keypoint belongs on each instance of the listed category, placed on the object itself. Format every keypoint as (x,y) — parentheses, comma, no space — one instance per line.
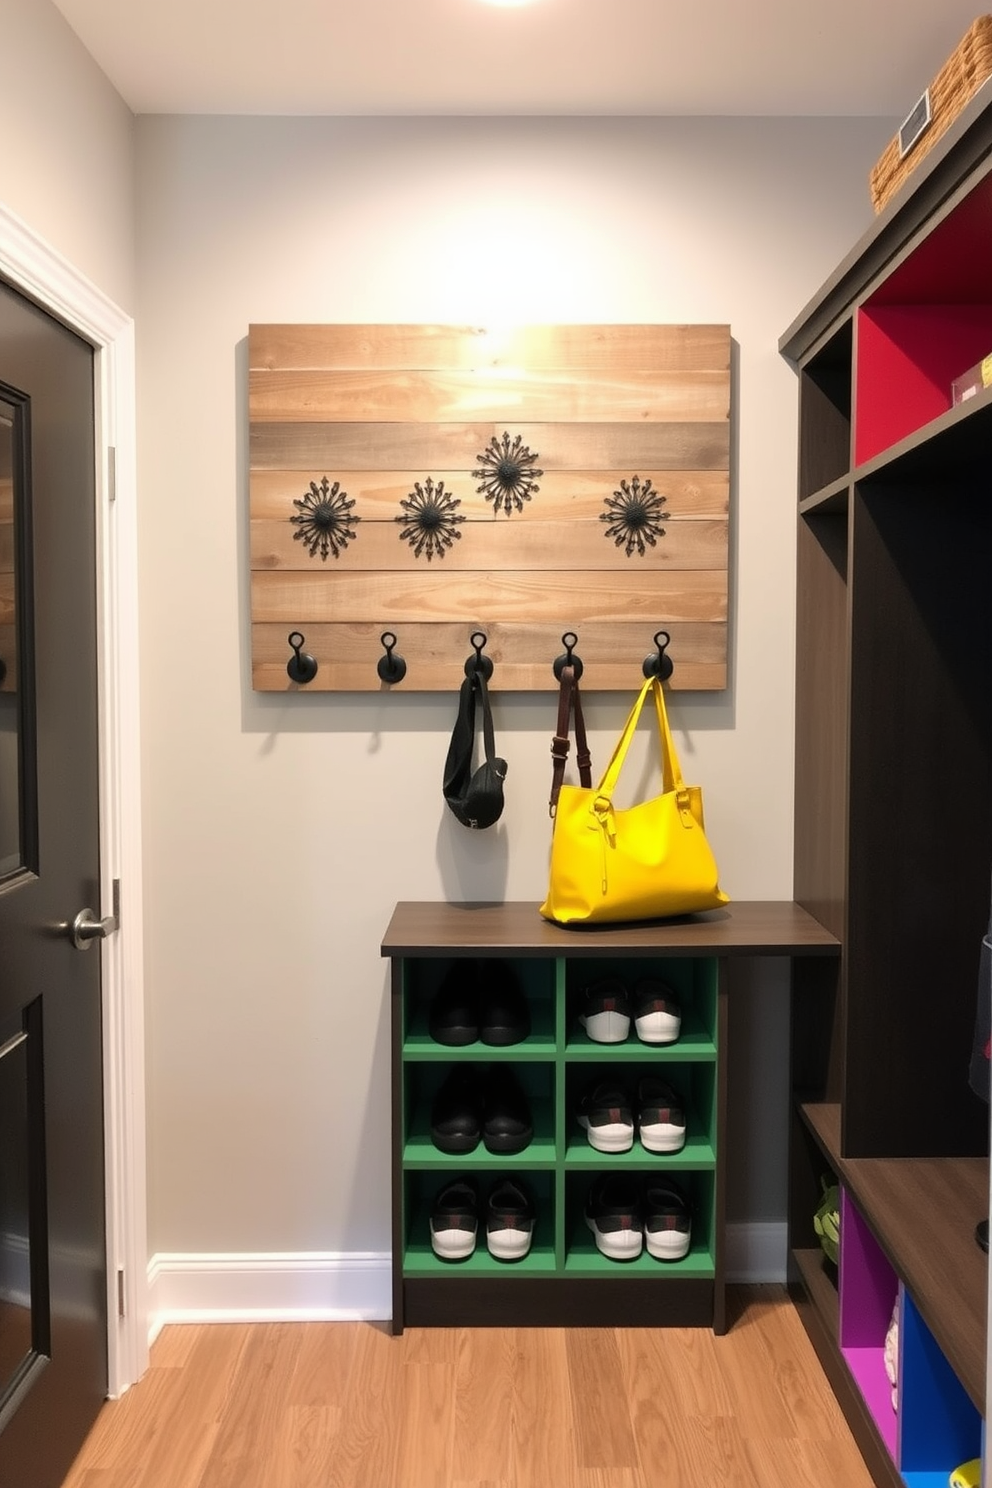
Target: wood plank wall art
(433,482)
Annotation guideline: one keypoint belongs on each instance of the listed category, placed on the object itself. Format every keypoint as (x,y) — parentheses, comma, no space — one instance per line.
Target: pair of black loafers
(479,1001)
(491,1108)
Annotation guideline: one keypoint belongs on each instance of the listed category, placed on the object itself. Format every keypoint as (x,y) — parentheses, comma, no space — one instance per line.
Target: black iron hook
(659,664)
(479,663)
(568,658)
(390,668)
(300,667)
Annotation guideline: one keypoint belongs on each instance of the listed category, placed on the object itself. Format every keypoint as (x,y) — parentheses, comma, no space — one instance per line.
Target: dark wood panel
(754,928)
(921,817)
(822,715)
(527,1302)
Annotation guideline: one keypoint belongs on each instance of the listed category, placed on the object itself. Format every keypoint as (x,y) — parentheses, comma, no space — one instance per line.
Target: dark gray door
(53,1308)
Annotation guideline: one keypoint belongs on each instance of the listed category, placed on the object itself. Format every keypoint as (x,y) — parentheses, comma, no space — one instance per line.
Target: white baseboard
(305,1287)
(757,1251)
(319,1286)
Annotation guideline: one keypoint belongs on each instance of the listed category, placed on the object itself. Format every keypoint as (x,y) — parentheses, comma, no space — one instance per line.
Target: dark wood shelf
(751,928)
(893,659)
(923,1212)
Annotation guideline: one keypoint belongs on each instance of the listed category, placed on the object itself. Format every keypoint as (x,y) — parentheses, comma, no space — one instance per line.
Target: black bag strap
(569,702)
(458,766)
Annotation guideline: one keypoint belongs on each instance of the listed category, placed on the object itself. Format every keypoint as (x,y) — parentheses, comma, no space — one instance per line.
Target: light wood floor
(343,1405)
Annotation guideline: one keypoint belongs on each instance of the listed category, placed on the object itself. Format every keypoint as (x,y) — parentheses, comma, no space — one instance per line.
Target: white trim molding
(300,1287)
(32,266)
(337,1286)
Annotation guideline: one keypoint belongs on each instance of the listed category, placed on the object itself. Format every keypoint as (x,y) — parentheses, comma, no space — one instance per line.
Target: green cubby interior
(692,979)
(694,1082)
(422,979)
(421,1082)
(580,1250)
(420,1189)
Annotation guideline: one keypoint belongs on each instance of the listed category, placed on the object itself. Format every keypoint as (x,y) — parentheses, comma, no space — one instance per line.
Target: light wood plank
(6,498)
(602,347)
(523,656)
(479,1408)
(479,599)
(564,494)
(525,396)
(8,603)
(337,448)
(492,545)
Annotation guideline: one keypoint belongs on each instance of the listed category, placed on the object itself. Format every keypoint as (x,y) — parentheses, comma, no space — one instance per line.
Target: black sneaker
(613,1213)
(509,1221)
(657,1012)
(605,1013)
(667,1220)
(453,1016)
(660,1116)
(455,1221)
(507,1124)
(504,1016)
(456,1111)
(605,1112)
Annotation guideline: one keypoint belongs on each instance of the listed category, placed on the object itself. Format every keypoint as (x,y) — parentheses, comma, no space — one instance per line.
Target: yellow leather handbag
(643,862)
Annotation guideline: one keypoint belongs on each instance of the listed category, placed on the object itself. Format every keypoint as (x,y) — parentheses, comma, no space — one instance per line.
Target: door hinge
(121,1293)
(111,473)
(115,895)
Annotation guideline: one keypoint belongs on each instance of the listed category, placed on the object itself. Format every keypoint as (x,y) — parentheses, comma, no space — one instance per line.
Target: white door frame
(33,267)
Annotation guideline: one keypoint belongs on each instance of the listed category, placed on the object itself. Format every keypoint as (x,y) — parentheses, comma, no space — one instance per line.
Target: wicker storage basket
(958,80)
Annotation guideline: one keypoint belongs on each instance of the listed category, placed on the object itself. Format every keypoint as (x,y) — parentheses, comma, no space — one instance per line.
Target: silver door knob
(86,927)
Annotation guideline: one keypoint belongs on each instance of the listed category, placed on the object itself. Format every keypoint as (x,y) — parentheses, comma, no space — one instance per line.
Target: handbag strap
(670,768)
(569,701)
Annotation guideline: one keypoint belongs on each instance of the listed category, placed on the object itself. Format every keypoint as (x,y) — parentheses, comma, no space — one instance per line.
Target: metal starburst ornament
(324,522)
(634,515)
(507,474)
(430,515)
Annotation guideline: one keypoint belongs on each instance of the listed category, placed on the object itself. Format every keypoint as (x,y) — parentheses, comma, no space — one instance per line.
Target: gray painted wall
(281,830)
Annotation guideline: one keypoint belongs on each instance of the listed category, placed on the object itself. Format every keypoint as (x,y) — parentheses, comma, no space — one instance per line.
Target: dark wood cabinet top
(749,928)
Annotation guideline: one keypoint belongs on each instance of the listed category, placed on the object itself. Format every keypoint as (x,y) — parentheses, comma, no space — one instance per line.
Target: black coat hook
(568,658)
(660,663)
(300,667)
(391,668)
(479,663)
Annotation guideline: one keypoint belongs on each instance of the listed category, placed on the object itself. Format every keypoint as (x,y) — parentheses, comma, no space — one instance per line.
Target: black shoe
(667,1220)
(504,1017)
(613,1213)
(509,1221)
(605,1112)
(507,1124)
(455,1220)
(453,1016)
(456,1111)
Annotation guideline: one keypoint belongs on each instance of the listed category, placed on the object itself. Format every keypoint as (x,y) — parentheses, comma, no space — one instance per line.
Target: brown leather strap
(569,701)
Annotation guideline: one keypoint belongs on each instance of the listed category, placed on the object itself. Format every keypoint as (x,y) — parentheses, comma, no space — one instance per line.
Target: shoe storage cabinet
(564,1280)
(894,808)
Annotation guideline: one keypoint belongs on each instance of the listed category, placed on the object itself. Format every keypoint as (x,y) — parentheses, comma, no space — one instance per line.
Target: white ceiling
(551,57)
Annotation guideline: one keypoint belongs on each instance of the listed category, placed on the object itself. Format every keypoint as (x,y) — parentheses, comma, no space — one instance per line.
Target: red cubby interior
(926,324)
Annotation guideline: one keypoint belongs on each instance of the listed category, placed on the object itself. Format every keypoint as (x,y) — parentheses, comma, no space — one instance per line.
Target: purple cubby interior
(869,1288)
